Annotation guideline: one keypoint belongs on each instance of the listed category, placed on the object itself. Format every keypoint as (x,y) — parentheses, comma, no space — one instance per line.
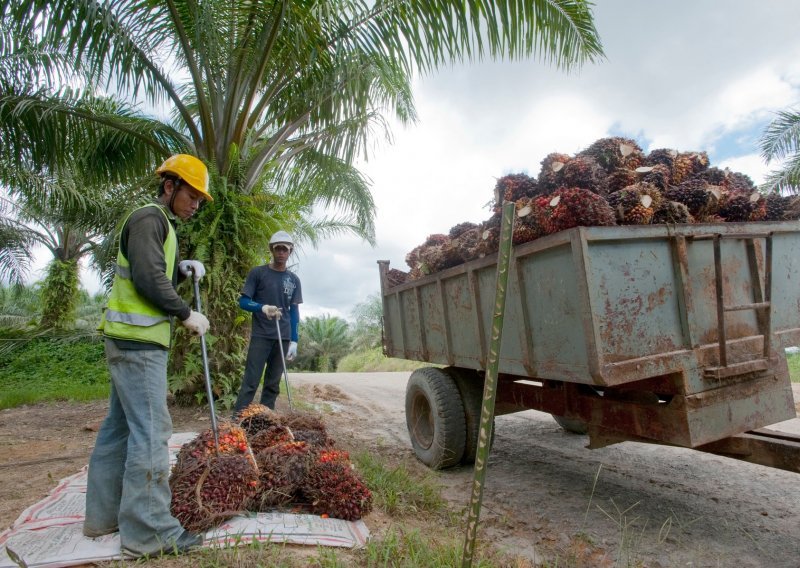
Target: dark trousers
(262,352)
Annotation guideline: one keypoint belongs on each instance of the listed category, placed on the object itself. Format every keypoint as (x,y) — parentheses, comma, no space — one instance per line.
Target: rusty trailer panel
(696,317)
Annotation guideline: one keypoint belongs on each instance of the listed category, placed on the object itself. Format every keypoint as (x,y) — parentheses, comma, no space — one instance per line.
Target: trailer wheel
(470,386)
(435,418)
(572,425)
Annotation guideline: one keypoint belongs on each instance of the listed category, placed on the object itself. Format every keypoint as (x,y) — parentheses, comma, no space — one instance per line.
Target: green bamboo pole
(490,386)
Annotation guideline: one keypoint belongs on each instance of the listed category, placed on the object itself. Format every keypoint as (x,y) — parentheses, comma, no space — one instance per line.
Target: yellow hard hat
(189,169)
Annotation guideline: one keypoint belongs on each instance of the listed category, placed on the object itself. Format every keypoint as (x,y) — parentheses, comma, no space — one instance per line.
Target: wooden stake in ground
(490,385)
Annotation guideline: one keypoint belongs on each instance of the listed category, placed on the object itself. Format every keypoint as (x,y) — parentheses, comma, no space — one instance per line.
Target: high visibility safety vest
(129,315)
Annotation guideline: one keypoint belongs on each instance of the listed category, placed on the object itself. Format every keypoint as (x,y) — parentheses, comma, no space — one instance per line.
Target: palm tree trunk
(60,295)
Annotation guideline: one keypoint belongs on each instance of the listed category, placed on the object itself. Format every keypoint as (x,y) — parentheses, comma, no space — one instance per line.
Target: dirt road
(625,505)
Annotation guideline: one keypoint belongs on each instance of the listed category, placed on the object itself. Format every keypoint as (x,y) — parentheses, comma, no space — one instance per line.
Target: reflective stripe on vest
(129,315)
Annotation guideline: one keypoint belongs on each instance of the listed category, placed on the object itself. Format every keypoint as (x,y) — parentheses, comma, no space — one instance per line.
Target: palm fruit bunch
(574,206)
(696,194)
(489,238)
(461,228)
(736,182)
(232,441)
(282,469)
(737,207)
(759,212)
(513,187)
(434,258)
(657,175)
(333,455)
(531,220)
(272,436)
(551,175)
(776,206)
(672,212)
(308,428)
(792,211)
(661,156)
(255,418)
(586,173)
(635,204)
(395,277)
(713,176)
(208,491)
(687,165)
(332,488)
(615,152)
(414,258)
(467,243)
(621,178)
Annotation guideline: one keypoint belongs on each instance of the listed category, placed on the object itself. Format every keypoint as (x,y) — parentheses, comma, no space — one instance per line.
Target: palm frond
(50,130)
(782,137)
(786,179)
(330,183)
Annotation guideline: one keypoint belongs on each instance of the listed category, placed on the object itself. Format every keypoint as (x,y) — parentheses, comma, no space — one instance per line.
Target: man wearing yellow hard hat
(128,481)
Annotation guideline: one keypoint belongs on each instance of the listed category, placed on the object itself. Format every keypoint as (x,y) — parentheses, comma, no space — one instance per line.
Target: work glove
(197,323)
(292,352)
(271,311)
(194,267)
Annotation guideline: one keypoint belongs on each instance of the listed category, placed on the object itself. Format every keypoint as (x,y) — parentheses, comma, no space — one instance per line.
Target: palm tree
(781,141)
(67,218)
(325,341)
(16,245)
(19,307)
(278,98)
(367,330)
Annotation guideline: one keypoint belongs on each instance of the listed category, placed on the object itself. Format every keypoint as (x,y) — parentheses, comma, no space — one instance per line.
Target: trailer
(668,334)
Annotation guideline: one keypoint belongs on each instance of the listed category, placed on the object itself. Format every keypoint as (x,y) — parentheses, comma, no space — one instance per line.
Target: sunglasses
(283,248)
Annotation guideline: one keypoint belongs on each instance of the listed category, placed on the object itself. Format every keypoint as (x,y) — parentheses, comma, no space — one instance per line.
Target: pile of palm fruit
(612,182)
(265,460)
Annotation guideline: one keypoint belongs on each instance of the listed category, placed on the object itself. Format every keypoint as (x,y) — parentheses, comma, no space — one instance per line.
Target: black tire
(571,425)
(470,386)
(435,418)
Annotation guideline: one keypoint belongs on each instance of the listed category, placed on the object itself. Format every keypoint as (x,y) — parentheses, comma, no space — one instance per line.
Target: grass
(395,491)
(397,548)
(793,359)
(373,360)
(48,370)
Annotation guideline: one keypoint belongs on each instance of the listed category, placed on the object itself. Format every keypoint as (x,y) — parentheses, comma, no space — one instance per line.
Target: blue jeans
(262,352)
(128,482)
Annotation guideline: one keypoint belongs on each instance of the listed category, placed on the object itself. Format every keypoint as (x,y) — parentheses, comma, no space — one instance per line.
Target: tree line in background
(28,371)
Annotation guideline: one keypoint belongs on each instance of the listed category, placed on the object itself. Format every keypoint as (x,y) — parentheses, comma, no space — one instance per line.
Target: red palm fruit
(334,489)
(551,174)
(573,207)
(208,491)
(586,173)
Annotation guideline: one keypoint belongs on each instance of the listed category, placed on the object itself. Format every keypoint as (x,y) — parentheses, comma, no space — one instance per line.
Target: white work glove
(193,267)
(271,311)
(292,351)
(197,323)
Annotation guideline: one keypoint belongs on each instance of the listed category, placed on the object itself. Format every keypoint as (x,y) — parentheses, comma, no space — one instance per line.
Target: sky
(688,74)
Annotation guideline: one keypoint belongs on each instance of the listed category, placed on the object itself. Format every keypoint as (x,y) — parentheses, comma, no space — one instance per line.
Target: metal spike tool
(283,362)
(209,391)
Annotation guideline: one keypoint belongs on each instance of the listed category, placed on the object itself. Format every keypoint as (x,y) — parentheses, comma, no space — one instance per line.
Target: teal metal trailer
(669,334)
